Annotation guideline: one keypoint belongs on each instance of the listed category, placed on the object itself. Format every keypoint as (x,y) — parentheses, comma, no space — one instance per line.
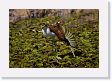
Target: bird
(61,32)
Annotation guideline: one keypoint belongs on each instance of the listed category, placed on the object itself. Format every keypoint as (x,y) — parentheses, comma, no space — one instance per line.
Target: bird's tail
(70,37)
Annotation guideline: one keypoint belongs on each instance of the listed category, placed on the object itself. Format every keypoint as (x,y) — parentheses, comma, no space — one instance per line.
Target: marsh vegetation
(29,49)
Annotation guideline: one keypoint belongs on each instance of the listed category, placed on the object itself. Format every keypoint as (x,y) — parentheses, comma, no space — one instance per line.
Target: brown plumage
(55,28)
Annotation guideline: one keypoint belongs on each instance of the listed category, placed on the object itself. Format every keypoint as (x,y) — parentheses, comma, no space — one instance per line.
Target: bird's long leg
(72,50)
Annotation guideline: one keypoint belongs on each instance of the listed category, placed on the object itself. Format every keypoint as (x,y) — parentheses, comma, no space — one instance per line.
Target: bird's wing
(69,36)
(58,31)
